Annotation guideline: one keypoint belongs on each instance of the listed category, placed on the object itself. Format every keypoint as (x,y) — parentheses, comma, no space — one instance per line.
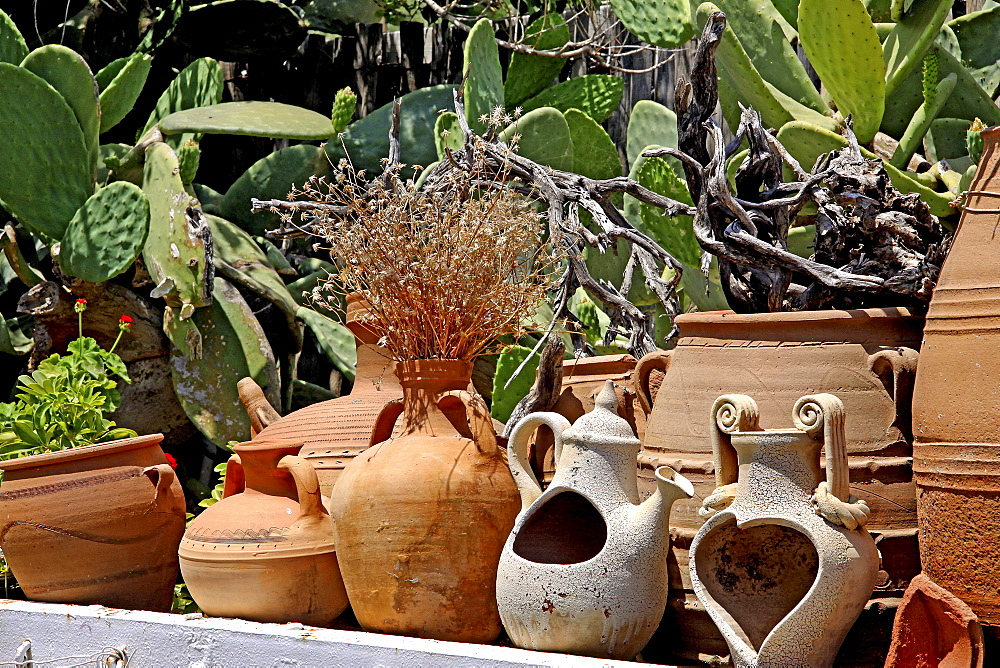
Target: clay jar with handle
(421,518)
(94,525)
(265,552)
(584,570)
(783,565)
(867,357)
(335,431)
(956,455)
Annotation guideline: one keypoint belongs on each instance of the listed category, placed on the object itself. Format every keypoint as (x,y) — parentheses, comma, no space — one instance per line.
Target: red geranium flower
(171,460)
(125,321)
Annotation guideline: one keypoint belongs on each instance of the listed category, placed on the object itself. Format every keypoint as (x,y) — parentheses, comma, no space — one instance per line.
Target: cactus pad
(484,77)
(12,46)
(650,124)
(178,249)
(343,109)
(909,40)
(107,233)
(840,40)
(597,95)
(197,85)
(188,158)
(454,139)
(335,340)
(505,399)
(947,139)
(253,119)
(233,346)
(44,175)
(594,153)
(67,72)
(675,235)
(663,23)
(544,138)
(977,36)
(529,75)
(121,82)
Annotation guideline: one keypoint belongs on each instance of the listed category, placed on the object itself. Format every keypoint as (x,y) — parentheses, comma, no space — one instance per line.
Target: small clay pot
(265,552)
(94,525)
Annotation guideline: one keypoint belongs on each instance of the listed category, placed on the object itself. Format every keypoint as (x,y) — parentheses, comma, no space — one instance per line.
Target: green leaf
(12,46)
(121,83)
(594,153)
(597,95)
(529,75)
(253,119)
(484,87)
(544,138)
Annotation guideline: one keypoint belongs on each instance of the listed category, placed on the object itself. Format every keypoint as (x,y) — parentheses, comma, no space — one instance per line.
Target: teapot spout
(655,511)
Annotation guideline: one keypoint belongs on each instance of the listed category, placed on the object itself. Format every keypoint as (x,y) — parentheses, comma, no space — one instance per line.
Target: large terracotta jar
(265,552)
(956,453)
(867,357)
(333,432)
(421,519)
(94,525)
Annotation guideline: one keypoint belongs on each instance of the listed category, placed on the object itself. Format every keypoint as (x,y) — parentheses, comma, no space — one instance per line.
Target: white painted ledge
(159,639)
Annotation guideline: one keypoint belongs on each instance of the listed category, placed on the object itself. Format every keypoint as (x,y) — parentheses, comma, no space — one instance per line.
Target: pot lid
(603,424)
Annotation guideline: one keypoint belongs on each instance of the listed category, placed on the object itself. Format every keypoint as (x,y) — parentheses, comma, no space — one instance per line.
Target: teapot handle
(236,480)
(658,359)
(824,414)
(306,487)
(386,422)
(896,368)
(517,451)
(477,415)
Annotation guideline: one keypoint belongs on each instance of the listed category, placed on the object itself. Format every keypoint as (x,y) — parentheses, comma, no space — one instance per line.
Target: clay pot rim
(432,369)
(83,452)
(990,131)
(267,444)
(731,317)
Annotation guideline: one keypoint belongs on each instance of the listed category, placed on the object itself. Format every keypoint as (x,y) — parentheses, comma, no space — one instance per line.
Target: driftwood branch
(545,392)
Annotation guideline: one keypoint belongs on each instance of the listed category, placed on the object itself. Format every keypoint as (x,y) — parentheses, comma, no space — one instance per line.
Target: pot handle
(258,408)
(730,413)
(517,452)
(306,487)
(162,476)
(477,415)
(658,359)
(896,368)
(824,414)
(386,422)
(236,480)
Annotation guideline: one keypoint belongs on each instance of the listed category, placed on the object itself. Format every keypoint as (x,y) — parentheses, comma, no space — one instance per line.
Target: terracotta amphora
(867,357)
(956,450)
(94,525)
(265,552)
(584,570)
(421,518)
(335,431)
(583,378)
(783,564)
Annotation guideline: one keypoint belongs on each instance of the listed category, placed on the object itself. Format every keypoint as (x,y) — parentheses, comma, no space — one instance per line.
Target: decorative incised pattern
(40,490)
(271,535)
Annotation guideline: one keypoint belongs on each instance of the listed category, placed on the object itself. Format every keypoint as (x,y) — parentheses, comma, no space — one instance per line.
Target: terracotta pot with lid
(97,524)
(265,552)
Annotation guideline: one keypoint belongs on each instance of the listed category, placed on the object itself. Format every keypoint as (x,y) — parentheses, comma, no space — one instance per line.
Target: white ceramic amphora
(584,570)
(784,564)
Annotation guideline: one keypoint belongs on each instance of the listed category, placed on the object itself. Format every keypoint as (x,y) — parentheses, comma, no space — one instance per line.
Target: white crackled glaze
(609,602)
(778,471)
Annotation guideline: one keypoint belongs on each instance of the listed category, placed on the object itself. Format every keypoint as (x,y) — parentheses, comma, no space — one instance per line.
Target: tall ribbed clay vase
(421,518)
(956,450)
(335,431)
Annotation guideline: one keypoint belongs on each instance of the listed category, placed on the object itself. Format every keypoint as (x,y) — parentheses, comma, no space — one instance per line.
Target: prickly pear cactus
(931,74)
(343,109)
(544,138)
(974,140)
(12,46)
(252,119)
(335,340)
(529,75)
(650,124)
(178,250)
(597,95)
(44,173)
(484,77)
(840,40)
(976,34)
(448,133)
(107,233)
(505,399)
(594,152)
(675,235)
(232,346)
(188,158)
(199,84)
(67,72)
(120,82)
(909,40)
(663,23)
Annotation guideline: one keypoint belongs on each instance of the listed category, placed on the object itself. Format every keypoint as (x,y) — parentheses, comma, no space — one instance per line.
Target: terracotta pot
(421,519)
(94,525)
(583,379)
(334,432)
(587,538)
(784,564)
(956,453)
(265,552)
(867,357)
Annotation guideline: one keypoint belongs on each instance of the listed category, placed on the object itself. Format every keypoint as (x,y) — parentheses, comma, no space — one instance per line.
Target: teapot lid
(603,424)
